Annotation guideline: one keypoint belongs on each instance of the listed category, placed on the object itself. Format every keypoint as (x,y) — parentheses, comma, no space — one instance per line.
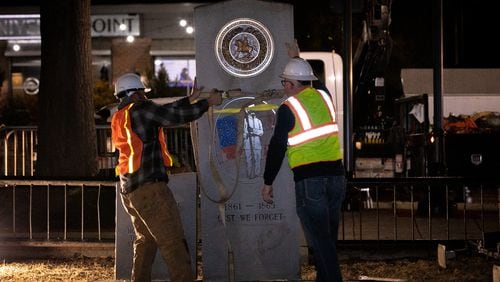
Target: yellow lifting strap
(256,108)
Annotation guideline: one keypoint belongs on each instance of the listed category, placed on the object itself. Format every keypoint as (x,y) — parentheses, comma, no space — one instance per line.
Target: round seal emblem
(244,47)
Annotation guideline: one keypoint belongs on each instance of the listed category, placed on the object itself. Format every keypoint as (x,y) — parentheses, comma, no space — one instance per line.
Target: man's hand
(267,194)
(195,92)
(293,49)
(215,97)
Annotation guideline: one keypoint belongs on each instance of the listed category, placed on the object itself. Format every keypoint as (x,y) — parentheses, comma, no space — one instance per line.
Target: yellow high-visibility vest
(314,137)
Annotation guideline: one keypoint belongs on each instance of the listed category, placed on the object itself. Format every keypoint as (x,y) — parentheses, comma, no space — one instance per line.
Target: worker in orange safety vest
(143,161)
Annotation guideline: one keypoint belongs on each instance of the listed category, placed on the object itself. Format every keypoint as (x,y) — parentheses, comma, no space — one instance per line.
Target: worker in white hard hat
(127,84)
(137,133)
(306,131)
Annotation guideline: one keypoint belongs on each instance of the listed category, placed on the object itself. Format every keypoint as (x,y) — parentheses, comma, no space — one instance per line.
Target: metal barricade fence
(390,210)
(65,210)
(57,210)
(375,209)
(426,208)
(18,149)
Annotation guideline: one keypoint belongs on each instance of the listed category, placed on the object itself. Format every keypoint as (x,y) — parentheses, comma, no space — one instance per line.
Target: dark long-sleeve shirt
(146,118)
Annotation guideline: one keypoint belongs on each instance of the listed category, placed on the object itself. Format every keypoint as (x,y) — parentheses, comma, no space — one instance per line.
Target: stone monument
(240,48)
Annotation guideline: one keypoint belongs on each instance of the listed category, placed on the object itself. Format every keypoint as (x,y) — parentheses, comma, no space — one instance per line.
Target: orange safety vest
(130,145)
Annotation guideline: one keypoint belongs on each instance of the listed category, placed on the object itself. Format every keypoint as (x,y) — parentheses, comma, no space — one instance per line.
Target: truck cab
(328,68)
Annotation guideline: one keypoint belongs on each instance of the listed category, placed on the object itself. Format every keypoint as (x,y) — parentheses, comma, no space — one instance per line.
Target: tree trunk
(66,132)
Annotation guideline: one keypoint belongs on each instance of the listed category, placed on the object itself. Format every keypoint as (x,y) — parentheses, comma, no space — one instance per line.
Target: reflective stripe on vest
(130,145)
(315,133)
(167,159)
(309,132)
(128,130)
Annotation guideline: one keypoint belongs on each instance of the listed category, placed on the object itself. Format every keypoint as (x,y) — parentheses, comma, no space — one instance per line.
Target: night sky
(469,30)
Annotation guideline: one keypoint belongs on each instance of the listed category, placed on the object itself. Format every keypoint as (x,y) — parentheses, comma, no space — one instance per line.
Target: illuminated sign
(115,25)
(19,27)
(28,26)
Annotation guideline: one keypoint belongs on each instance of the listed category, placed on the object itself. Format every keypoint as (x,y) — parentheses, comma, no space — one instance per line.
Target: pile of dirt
(73,269)
(462,268)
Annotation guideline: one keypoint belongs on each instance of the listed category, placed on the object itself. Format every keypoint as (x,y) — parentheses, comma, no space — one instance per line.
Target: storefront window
(180,71)
(103,86)
(172,76)
(25,79)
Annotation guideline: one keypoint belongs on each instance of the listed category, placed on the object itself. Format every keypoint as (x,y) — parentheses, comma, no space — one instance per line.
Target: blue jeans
(319,200)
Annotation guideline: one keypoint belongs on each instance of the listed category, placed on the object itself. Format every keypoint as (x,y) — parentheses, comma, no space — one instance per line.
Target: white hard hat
(126,82)
(298,69)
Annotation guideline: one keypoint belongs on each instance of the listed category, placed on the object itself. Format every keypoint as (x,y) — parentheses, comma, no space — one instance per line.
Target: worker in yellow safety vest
(137,134)
(306,131)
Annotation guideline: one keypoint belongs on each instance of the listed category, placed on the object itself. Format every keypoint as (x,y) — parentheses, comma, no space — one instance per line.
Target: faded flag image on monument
(240,46)
(258,121)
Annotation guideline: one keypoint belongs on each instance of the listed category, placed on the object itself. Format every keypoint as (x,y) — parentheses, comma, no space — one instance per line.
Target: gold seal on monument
(244,47)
